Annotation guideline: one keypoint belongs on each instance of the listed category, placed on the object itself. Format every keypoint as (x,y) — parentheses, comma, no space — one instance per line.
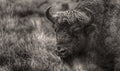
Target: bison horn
(49,16)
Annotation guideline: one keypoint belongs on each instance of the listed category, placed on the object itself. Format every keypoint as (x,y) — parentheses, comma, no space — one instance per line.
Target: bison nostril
(58,48)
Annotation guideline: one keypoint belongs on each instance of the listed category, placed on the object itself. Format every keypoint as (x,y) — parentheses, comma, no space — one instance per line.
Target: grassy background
(26,37)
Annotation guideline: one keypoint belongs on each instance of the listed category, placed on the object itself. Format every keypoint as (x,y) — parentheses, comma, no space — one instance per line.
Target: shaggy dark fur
(83,35)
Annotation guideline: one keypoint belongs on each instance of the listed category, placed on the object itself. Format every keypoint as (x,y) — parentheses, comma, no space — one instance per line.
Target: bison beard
(80,41)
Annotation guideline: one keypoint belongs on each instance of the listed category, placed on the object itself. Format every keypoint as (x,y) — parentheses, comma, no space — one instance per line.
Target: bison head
(73,29)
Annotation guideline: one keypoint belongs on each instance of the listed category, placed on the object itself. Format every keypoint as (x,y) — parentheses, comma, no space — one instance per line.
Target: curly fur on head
(72,16)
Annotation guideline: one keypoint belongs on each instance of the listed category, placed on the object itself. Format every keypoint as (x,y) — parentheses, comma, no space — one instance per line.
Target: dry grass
(27,41)
(26,44)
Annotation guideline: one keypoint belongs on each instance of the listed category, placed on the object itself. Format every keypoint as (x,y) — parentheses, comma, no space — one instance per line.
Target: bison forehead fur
(71,16)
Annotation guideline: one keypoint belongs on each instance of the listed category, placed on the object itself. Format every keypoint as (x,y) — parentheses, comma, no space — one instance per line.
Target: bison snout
(60,50)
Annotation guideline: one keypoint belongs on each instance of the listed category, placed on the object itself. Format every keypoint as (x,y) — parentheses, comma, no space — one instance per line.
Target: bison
(88,35)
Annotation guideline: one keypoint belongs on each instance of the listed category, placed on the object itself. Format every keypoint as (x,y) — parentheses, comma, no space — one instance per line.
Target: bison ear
(89,29)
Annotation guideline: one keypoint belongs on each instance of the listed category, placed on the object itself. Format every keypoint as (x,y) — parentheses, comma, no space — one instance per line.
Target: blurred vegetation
(26,37)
